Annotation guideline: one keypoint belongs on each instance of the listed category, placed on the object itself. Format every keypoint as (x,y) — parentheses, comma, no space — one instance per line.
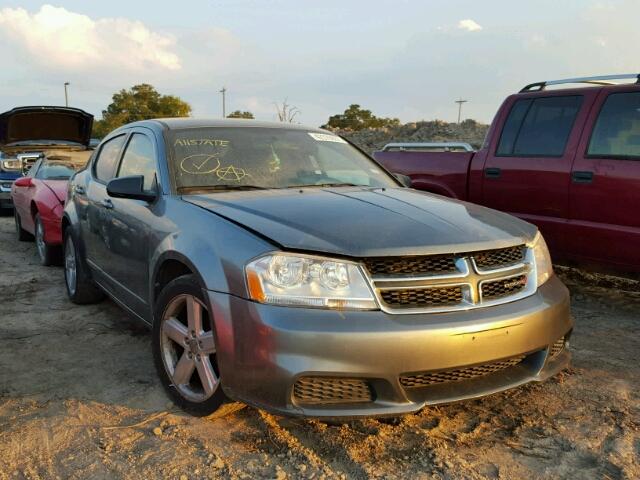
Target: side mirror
(130,187)
(23,182)
(403,179)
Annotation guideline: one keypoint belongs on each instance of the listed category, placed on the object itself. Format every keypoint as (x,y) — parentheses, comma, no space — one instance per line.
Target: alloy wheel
(40,240)
(70,271)
(188,348)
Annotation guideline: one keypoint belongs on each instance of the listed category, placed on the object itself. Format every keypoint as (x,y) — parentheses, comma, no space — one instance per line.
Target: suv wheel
(22,234)
(80,287)
(184,347)
(45,252)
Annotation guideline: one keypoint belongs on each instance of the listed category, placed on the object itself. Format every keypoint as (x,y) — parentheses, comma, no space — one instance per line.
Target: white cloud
(469,25)
(60,39)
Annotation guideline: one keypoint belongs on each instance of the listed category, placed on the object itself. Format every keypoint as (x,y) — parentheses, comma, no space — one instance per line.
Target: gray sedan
(280,266)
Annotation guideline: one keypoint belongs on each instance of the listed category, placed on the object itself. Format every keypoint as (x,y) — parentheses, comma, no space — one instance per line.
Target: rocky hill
(432,131)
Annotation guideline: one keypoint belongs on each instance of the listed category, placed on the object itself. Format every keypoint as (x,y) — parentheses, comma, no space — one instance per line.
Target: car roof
(194,122)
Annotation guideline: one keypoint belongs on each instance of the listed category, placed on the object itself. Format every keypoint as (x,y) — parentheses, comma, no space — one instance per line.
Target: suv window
(105,165)
(617,130)
(139,159)
(539,127)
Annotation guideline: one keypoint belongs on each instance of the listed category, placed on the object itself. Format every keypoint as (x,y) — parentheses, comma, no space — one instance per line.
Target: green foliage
(239,114)
(141,102)
(357,118)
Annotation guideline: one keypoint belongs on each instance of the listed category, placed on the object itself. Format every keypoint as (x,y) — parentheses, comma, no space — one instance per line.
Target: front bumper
(264,349)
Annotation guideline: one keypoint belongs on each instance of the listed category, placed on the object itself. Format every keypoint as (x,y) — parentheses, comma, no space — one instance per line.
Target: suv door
(131,224)
(95,221)
(526,172)
(605,183)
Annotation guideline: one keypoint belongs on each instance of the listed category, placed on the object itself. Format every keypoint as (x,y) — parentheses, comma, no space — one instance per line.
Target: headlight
(11,165)
(306,281)
(544,268)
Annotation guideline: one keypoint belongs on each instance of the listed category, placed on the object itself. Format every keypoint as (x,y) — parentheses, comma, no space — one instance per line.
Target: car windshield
(220,158)
(56,170)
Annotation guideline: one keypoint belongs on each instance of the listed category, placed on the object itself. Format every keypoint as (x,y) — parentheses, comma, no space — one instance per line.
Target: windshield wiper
(320,185)
(207,188)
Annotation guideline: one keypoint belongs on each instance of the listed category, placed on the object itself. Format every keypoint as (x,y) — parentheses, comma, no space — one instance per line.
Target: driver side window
(139,159)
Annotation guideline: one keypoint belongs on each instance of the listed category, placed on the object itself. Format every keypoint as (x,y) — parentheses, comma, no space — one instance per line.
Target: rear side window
(139,159)
(617,130)
(539,127)
(105,165)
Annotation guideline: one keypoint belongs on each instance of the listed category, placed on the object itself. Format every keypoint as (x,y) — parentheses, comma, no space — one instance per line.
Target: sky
(400,58)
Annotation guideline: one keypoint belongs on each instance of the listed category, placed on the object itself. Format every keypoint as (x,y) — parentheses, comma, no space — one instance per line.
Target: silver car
(280,266)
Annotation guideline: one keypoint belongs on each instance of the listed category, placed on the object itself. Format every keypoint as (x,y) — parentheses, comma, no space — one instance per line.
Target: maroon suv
(567,160)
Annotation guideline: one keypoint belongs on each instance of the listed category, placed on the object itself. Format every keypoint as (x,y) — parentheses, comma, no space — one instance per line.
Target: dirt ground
(79,398)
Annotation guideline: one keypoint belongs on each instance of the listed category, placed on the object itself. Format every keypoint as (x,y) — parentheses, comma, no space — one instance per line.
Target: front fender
(214,248)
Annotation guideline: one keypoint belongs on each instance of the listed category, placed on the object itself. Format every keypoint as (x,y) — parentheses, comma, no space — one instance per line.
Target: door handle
(582,177)
(78,189)
(107,203)
(492,172)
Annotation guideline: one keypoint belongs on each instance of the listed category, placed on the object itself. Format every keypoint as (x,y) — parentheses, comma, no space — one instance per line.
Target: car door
(94,224)
(526,172)
(131,224)
(605,187)
(22,199)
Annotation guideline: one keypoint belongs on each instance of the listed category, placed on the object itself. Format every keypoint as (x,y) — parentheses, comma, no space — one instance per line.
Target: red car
(38,200)
(566,159)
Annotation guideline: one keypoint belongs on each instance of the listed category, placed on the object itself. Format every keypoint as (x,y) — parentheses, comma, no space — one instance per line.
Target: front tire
(184,347)
(80,288)
(46,252)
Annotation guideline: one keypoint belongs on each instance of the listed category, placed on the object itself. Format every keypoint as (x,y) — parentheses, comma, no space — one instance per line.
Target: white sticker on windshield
(325,137)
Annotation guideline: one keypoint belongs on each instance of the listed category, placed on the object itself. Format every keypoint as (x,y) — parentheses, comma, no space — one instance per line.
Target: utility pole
(224,105)
(66,95)
(460,102)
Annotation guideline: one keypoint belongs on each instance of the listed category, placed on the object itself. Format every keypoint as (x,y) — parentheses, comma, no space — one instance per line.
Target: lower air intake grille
(423,297)
(319,390)
(504,257)
(414,266)
(557,347)
(503,288)
(444,376)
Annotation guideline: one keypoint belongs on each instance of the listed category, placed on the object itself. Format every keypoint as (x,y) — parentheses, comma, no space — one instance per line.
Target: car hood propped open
(364,222)
(45,125)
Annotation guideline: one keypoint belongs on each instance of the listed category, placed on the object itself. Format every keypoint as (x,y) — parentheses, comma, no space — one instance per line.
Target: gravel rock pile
(370,140)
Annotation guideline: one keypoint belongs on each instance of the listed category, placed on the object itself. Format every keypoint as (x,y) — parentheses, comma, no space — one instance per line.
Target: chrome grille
(503,288)
(423,297)
(503,257)
(455,375)
(28,160)
(557,347)
(443,283)
(321,390)
(417,266)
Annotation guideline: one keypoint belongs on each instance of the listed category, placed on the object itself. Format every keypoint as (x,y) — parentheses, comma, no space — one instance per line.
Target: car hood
(58,187)
(45,125)
(362,222)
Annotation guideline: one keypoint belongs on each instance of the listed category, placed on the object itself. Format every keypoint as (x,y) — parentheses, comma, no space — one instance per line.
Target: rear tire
(21,233)
(80,288)
(46,252)
(184,350)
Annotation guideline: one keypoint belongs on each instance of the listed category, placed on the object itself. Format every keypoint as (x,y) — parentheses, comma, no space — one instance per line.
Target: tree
(357,118)
(286,113)
(141,102)
(239,114)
